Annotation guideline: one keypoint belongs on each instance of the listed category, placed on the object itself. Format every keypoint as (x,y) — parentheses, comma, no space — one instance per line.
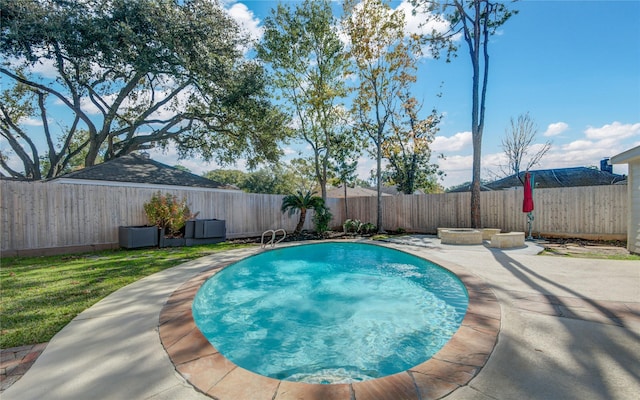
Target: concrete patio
(570,329)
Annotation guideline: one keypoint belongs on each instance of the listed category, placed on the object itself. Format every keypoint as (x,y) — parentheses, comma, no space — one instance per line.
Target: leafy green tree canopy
(274,179)
(134,75)
(304,50)
(385,60)
(408,151)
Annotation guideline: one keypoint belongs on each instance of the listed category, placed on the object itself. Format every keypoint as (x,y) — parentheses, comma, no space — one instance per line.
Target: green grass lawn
(40,295)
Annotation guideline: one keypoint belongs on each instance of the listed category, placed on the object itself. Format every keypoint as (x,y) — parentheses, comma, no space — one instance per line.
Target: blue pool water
(330,312)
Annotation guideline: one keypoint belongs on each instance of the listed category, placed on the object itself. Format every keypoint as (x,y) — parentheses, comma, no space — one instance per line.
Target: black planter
(132,237)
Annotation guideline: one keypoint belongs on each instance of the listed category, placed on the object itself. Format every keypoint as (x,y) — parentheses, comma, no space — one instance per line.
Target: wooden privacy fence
(593,212)
(71,217)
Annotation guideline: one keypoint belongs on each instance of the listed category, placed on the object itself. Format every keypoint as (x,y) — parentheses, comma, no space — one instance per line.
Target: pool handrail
(272,241)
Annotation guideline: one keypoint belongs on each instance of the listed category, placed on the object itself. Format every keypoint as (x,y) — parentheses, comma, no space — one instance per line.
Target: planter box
(205,231)
(132,237)
(171,241)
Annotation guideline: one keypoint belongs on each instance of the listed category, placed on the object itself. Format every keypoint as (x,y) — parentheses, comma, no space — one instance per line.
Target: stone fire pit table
(461,236)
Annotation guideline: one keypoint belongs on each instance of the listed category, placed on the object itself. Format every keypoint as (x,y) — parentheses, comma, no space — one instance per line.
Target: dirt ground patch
(585,248)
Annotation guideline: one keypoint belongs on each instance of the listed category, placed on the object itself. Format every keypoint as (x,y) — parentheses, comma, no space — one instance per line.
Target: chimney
(605,165)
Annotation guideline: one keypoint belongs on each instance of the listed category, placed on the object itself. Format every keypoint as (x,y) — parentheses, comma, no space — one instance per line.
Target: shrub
(351,226)
(168,212)
(368,228)
(321,219)
(355,226)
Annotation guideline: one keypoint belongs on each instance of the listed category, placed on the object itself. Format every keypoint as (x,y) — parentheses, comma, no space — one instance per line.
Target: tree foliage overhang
(130,75)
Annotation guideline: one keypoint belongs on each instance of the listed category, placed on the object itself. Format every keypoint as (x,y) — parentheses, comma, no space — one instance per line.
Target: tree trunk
(379,184)
(346,203)
(477,111)
(476,217)
(303,216)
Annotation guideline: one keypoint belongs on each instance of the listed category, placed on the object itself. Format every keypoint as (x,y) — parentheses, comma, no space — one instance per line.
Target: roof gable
(138,169)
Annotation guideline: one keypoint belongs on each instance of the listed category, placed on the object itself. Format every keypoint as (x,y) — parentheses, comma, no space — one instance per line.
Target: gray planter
(171,241)
(205,231)
(132,237)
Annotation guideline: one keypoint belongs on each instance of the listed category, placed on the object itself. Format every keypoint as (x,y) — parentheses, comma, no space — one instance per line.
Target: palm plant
(300,202)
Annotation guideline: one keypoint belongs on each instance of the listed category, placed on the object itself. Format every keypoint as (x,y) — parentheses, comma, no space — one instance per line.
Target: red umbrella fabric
(527,204)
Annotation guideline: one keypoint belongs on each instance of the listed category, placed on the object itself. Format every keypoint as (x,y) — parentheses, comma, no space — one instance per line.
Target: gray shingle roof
(357,191)
(139,169)
(554,178)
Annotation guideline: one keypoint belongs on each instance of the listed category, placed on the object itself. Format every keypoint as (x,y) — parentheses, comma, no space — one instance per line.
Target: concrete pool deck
(570,328)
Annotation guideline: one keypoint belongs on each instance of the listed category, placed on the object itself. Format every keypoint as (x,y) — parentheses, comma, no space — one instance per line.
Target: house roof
(357,191)
(554,178)
(631,155)
(135,168)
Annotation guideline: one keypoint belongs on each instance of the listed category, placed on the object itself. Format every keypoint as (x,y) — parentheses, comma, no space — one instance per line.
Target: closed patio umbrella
(527,203)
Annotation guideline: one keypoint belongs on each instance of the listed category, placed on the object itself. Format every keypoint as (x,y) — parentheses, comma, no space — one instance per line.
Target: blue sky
(574,66)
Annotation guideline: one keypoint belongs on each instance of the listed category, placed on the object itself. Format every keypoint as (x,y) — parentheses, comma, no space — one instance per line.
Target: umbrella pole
(530,224)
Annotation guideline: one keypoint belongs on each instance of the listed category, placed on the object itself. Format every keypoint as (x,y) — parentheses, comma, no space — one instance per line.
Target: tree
(408,150)
(519,148)
(134,75)
(300,202)
(305,52)
(385,67)
(227,176)
(345,165)
(302,174)
(477,20)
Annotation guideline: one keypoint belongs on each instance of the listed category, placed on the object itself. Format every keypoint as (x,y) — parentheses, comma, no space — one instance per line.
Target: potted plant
(170,215)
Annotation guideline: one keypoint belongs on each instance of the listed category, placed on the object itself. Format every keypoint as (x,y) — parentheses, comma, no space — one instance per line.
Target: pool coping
(452,367)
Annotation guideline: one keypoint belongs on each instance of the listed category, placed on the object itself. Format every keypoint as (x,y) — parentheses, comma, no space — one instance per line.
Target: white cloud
(456,163)
(456,168)
(246,19)
(289,151)
(415,22)
(31,121)
(364,168)
(615,130)
(457,142)
(556,129)
(46,68)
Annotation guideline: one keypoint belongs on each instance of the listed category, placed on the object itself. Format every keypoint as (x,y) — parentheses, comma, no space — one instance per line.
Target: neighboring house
(632,158)
(137,170)
(556,178)
(357,191)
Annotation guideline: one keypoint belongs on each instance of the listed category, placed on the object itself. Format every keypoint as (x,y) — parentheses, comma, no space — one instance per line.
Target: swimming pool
(330,312)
